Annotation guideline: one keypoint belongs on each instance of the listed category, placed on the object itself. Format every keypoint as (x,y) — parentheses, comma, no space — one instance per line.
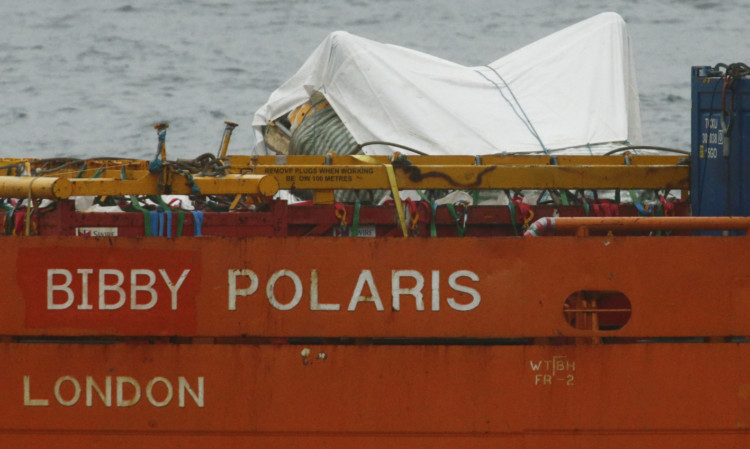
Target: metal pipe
(225,139)
(232,184)
(638,224)
(263,185)
(34,187)
(62,188)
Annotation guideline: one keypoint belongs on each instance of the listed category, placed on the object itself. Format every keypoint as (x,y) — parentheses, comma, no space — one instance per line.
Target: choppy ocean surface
(87,78)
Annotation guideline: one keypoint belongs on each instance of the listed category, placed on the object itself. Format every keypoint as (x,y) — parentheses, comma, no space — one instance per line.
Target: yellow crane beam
(472,177)
(62,188)
(265,175)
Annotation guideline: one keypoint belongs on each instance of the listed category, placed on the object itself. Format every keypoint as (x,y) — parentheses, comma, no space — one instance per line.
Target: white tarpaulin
(569,91)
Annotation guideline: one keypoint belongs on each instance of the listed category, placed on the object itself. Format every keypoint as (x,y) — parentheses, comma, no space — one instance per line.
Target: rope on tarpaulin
(525,119)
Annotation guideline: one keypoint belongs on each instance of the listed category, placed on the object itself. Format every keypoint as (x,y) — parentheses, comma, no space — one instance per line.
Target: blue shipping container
(720,141)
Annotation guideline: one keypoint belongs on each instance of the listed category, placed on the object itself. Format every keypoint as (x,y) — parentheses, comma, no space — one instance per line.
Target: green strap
(424,197)
(563,197)
(83,169)
(217,207)
(634,197)
(355,219)
(180,213)
(167,208)
(433,223)
(461,229)
(180,221)
(584,203)
(146,215)
(433,212)
(512,208)
(158,200)
(98,173)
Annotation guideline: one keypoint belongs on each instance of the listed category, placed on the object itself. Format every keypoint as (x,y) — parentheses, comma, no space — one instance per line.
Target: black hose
(391,144)
(646,147)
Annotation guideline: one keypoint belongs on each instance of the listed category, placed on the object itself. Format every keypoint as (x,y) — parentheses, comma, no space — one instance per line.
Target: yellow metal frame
(266,175)
(62,188)
(469,173)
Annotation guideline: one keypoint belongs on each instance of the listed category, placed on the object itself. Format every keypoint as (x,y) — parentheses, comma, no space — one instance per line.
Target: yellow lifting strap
(394,188)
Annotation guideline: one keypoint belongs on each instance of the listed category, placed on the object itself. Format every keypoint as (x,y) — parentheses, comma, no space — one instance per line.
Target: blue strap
(9,219)
(642,210)
(197,223)
(168,214)
(154,219)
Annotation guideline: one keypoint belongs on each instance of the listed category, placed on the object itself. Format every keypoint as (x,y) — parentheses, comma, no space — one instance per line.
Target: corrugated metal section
(720,161)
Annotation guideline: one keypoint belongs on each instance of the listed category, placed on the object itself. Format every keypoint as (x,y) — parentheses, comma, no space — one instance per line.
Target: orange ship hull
(370,288)
(281,342)
(121,395)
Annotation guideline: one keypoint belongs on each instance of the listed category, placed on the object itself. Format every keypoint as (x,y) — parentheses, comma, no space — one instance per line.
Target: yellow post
(225,139)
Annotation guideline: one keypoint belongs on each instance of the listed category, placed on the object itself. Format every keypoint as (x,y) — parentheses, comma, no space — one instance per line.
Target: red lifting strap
(19,222)
(668,206)
(606,208)
(523,208)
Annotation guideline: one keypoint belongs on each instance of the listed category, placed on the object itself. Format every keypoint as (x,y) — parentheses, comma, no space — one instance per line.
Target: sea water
(89,78)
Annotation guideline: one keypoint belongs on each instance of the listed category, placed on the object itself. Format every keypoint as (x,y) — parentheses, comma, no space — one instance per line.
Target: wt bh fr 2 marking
(559,370)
